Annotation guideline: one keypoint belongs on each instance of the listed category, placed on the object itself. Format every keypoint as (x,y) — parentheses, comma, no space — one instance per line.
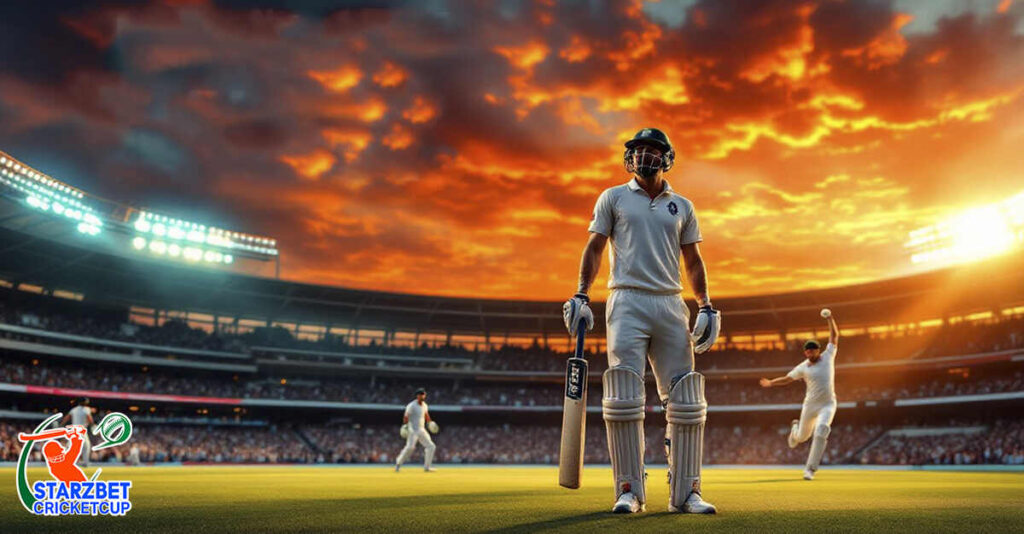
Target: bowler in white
(415,423)
(818,371)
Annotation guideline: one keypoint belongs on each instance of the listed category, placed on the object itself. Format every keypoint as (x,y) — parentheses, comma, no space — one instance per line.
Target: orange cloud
(339,80)
(399,137)
(829,124)
(369,110)
(421,110)
(525,56)
(577,50)
(310,166)
(789,60)
(885,49)
(390,75)
(353,142)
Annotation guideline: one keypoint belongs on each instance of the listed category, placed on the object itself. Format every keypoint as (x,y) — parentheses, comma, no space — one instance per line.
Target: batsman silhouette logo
(70,492)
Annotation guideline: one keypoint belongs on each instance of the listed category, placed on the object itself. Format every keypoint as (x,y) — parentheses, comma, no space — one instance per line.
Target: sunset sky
(457,147)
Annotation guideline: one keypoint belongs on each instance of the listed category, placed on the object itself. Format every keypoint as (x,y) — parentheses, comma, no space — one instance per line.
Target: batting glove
(404,431)
(576,308)
(433,427)
(706,328)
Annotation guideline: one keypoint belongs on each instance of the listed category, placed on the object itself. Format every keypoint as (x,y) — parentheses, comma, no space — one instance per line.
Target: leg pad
(686,412)
(623,408)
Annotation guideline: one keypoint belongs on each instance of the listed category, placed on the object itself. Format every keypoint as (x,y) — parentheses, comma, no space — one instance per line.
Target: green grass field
(455,499)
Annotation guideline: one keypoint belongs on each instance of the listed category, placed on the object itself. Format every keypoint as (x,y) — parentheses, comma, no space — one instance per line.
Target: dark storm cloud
(37,44)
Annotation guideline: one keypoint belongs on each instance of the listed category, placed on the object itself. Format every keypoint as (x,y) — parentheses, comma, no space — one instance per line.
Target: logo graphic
(575,379)
(71,492)
(672,208)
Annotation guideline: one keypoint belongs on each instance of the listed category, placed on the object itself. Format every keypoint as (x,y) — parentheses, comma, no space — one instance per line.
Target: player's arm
(709,320)
(780,381)
(696,272)
(577,309)
(590,263)
(76,445)
(833,331)
(426,415)
(66,419)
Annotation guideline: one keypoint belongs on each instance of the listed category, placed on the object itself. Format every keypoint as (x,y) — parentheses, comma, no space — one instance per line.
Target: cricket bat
(574,416)
(46,434)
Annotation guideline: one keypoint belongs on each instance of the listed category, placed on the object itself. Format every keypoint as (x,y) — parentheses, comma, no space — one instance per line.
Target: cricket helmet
(653,137)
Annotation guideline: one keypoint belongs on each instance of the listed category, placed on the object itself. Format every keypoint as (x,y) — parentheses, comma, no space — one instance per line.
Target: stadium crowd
(999,441)
(876,386)
(76,318)
(1002,443)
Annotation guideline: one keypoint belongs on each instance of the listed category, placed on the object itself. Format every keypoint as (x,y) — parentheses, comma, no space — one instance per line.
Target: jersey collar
(634,186)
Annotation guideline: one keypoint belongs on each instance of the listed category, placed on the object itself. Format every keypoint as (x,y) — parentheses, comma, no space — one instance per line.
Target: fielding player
(649,225)
(414,428)
(81,415)
(818,371)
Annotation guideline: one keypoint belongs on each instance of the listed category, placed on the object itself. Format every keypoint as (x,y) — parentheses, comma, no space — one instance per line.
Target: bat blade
(574,416)
(574,424)
(47,434)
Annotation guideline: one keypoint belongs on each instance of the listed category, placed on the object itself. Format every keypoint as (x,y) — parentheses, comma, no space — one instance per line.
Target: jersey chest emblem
(672,208)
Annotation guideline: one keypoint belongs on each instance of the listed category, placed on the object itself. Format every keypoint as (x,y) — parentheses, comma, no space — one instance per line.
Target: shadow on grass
(552,524)
(762,481)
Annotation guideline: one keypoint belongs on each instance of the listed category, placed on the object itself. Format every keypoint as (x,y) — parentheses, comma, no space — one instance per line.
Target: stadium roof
(37,252)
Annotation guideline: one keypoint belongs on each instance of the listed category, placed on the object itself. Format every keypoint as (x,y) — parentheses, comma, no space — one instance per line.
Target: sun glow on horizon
(974,234)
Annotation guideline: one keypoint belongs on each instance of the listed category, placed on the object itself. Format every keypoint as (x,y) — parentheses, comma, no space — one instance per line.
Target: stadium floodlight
(158,247)
(139,243)
(173,250)
(192,233)
(35,202)
(88,229)
(46,194)
(974,234)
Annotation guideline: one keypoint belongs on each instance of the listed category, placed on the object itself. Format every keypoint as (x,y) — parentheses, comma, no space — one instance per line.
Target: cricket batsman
(818,371)
(649,226)
(81,415)
(415,423)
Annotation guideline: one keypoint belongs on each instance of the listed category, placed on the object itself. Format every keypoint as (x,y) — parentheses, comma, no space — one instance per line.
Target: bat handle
(581,333)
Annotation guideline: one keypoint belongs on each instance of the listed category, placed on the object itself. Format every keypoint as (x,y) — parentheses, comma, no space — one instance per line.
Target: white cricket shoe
(808,474)
(429,470)
(791,439)
(627,504)
(397,467)
(694,505)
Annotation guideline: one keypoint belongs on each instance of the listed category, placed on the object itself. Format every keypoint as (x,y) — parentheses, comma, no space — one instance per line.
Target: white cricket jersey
(646,236)
(417,414)
(820,377)
(79,415)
